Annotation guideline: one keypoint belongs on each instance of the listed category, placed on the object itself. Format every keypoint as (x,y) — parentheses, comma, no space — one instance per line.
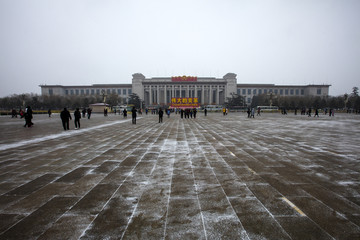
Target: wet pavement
(214,177)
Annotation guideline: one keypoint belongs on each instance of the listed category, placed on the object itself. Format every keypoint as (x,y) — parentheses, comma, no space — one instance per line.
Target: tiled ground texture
(216,177)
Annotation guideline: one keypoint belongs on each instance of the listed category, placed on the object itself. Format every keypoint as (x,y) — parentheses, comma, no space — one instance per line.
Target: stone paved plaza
(214,177)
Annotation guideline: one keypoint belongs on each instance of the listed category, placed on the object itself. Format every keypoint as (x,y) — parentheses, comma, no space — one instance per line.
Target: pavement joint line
(251,170)
(294,207)
(258,198)
(112,196)
(227,198)
(195,185)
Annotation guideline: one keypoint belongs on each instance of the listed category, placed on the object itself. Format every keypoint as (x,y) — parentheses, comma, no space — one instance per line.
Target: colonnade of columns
(162,94)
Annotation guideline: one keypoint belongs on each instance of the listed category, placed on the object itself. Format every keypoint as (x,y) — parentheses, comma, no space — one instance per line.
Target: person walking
(89,112)
(49,112)
(65,116)
(77,116)
(316,112)
(205,112)
(125,113)
(28,117)
(253,112)
(133,114)
(161,114)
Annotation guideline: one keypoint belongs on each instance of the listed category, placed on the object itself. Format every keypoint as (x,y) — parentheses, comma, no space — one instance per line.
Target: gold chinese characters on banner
(184,102)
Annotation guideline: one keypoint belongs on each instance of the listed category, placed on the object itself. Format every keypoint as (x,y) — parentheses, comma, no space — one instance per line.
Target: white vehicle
(268,108)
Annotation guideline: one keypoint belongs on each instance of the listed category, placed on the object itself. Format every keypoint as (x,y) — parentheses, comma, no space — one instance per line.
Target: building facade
(160,91)
(207,90)
(123,90)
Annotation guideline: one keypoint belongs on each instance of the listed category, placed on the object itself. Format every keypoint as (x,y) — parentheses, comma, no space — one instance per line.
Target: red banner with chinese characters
(184,79)
(184,102)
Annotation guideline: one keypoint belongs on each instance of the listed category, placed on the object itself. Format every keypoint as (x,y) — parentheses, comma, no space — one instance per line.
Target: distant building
(208,90)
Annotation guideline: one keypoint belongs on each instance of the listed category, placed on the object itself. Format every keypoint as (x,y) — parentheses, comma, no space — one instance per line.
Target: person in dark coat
(133,114)
(125,113)
(89,112)
(28,117)
(205,112)
(316,112)
(77,116)
(161,114)
(65,116)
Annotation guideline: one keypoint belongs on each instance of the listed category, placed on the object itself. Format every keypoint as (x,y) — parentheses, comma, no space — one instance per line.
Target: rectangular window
(254,91)
(286,91)
(249,100)
(114,91)
(265,91)
(249,91)
(87,92)
(281,91)
(98,91)
(71,92)
(119,91)
(77,91)
(66,92)
(297,91)
(129,91)
(260,91)
(51,92)
(244,91)
(124,91)
(238,91)
(291,91)
(82,91)
(270,90)
(302,92)
(92,91)
(318,91)
(276,91)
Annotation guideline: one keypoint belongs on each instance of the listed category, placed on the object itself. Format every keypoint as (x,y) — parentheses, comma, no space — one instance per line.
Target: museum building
(206,90)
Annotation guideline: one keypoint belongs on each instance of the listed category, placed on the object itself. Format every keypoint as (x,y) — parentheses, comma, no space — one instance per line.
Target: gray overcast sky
(86,42)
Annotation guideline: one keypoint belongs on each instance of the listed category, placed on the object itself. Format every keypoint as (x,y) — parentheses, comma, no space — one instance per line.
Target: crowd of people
(186,113)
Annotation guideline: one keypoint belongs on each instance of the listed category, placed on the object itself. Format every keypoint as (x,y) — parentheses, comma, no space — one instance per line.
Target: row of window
(119,91)
(255,91)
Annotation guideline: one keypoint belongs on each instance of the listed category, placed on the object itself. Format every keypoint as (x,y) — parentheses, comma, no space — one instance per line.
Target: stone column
(202,95)
(210,95)
(165,94)
(218,95)
(151,96)
(158,94)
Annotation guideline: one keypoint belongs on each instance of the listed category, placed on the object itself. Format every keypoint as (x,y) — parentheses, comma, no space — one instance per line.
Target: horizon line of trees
(346,101)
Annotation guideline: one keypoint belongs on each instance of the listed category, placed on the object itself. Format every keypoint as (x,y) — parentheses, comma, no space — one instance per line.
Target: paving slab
(213,177)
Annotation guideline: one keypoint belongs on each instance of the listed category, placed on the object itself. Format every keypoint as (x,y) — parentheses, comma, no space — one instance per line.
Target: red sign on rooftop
(184,79)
